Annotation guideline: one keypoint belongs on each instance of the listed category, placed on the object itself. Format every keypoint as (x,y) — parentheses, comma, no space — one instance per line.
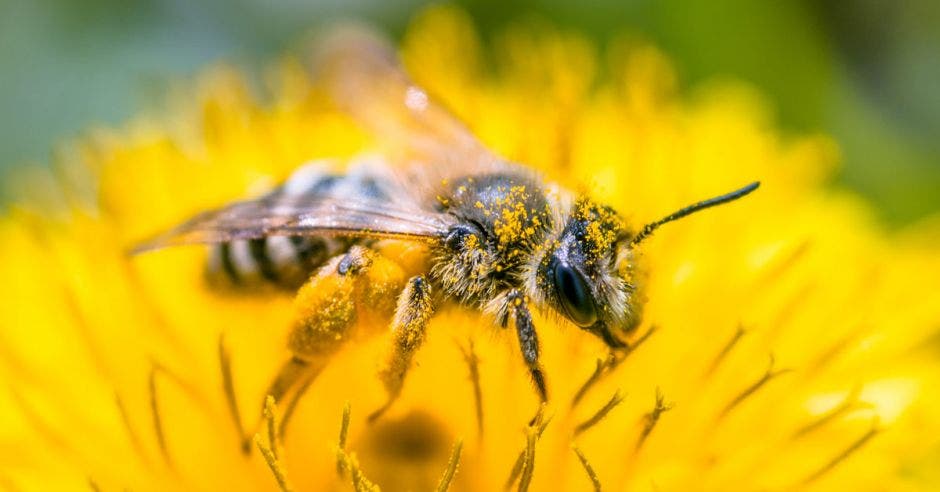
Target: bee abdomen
(284,261)
(288,261)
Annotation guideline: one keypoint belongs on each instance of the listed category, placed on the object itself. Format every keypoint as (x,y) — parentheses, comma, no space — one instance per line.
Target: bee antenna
(648,229)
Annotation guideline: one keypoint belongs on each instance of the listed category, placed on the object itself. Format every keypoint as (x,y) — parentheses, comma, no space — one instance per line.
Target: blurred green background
(864,71)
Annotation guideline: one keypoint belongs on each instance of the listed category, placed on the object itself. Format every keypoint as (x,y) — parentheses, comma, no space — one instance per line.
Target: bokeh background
(864,71)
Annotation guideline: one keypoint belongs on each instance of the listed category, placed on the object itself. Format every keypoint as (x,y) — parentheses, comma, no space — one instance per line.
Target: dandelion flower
(785,342)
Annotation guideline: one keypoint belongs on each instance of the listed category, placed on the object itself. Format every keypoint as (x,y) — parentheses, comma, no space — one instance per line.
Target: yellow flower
(785,343)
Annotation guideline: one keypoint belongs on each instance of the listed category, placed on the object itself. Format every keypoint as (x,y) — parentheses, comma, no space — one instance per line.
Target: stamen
(270,452)
(451,470)
(615,400)
(542,424)
(632,348)
(470,357)
(587,468)
(849,403)
(155,369)
(270,415)
(132,435)
(844,454)
(826,356)
(280,475)
(725,350)
(341,446)
(750,390)
(539,423)
(359,481)
(516,470)
(155,415)
(598,371)
(538,420)
(228,387)
(652,417)
(528,464)
(606,366)
(790,307)
(184,385)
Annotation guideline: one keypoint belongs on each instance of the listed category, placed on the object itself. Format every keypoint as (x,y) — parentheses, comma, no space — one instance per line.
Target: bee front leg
(412,313)
(528,340)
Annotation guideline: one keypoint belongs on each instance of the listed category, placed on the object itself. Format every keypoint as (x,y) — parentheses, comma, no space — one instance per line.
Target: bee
(492,236)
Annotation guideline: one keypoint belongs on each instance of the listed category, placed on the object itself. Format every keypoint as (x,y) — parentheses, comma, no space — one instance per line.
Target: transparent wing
(304,216)
(363,75)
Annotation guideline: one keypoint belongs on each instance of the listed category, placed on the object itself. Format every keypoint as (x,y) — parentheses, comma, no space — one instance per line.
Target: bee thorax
(502,219)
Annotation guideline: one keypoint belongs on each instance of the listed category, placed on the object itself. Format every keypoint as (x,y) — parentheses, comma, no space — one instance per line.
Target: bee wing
(363,75)
(304,216)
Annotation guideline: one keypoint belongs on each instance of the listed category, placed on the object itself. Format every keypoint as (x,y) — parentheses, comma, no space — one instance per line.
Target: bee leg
(412,313)
(528,340)
(350,290)
(327,310)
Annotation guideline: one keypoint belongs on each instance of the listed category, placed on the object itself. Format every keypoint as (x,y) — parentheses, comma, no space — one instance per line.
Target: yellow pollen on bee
(603,227)
(472,242)
(514,219)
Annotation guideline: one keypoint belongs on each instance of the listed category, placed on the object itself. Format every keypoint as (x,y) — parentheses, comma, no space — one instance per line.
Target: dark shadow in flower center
(415,438)
(407,453)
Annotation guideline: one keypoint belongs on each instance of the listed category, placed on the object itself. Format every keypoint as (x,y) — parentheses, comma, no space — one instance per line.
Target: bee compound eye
(574,294)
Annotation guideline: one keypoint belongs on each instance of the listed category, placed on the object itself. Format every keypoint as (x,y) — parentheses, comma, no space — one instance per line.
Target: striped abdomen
(288,261)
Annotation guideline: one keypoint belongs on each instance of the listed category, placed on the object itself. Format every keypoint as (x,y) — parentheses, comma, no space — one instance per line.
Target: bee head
(585,273)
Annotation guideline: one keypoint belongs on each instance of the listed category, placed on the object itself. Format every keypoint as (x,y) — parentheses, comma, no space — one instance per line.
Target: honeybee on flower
(788,316)
(496,236)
